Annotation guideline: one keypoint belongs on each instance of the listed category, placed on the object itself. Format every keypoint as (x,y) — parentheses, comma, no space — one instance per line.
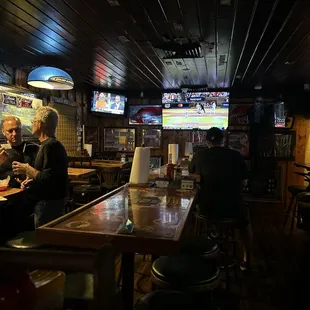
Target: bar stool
(24,240)
(294,190)
(162,298)
(223,232)
(186,273)
(83,194)
(200,246)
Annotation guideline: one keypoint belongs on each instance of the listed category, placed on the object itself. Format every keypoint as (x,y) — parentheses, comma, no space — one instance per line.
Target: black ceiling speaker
(175,50)
(195,88)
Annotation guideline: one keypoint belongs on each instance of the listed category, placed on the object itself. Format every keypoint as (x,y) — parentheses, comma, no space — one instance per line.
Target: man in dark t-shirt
(223,172)
(48,177)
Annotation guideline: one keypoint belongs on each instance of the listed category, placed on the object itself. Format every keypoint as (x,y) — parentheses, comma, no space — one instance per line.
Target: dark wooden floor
(272,283)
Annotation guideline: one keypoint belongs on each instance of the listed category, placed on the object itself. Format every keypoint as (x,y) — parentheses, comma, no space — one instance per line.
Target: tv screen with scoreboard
(195,110)
(108,103)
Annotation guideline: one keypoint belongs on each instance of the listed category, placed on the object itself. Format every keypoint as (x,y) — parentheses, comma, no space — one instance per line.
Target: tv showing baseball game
(195,110)
(145,114)
(108,103)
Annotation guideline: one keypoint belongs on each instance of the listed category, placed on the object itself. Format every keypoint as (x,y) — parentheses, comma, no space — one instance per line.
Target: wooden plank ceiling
(161,44)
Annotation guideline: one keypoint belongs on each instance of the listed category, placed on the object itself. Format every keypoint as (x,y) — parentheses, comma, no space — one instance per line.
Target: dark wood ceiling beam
(110,60)
(216,42)
(295,5)
(147,48)
(129,59)
(245,41)
(230,41)
(273,9)
(42,30)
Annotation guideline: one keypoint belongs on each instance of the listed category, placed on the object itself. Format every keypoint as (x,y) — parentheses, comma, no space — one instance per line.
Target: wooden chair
(79,161)
(110,177)
(101,263)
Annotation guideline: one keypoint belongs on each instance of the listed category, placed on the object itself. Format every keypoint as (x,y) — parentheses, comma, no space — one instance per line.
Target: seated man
(222,172)
(48,177)
(18,150)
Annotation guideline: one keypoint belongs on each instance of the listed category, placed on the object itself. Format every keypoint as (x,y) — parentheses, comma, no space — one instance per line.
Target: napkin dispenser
(126,228)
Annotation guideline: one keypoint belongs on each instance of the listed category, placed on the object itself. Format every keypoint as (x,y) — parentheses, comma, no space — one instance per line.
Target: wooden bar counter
(158,216)
(154,173)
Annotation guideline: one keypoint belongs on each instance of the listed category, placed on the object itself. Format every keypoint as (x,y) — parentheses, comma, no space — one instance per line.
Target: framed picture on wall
(239,141)
(240,113)
(151,137)
(92,137)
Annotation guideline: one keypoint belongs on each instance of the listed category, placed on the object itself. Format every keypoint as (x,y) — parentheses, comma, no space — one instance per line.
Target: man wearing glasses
(15,150)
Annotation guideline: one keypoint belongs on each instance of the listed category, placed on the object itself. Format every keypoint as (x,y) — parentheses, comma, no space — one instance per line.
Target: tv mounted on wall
(108,103)
(195,110)
(145,114)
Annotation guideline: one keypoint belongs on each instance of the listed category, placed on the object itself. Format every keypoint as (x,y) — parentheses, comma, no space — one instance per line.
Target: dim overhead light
(50,78)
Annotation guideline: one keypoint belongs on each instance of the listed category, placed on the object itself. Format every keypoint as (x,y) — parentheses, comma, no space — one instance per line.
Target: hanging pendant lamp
(50,78)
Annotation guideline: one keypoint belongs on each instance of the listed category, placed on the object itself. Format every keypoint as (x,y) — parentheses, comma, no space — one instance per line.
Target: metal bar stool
(185,273)
(296,190)
(223,232)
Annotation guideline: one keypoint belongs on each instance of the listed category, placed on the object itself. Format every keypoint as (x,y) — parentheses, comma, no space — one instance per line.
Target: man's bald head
(11,129)
(10,118)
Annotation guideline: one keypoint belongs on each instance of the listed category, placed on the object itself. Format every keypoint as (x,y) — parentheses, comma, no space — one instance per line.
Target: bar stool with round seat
(162,299)
(85,193)
(223,232)
(24,240)
(185,273)
(294,190)
(200,246)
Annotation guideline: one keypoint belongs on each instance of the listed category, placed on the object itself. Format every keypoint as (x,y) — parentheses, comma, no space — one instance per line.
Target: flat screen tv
(108,103)
(195,110)
(145,114)
(279,115)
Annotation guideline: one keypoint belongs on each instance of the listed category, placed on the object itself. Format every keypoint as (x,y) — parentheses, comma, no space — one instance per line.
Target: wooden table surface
(158,216)
(10,192)
(80,173)
(154,173)
(109,163)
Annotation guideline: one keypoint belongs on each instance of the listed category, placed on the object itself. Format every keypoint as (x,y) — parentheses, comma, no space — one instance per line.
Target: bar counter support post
(104,280)
(128,262)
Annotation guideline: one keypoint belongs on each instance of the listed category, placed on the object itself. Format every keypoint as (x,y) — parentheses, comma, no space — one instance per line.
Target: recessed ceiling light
(178,27)
(238,76)
(123,39)
(225,2)
(113,2)
(258,87)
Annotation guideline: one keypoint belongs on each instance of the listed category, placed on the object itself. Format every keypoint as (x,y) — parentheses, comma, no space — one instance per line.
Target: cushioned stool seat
(83,194)
(200,246)
(24,240)
(49,289)
(185,273)
(296,189)
(163,299)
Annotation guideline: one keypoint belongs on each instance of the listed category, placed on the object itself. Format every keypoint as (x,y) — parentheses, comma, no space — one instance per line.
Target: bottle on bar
(170,168)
